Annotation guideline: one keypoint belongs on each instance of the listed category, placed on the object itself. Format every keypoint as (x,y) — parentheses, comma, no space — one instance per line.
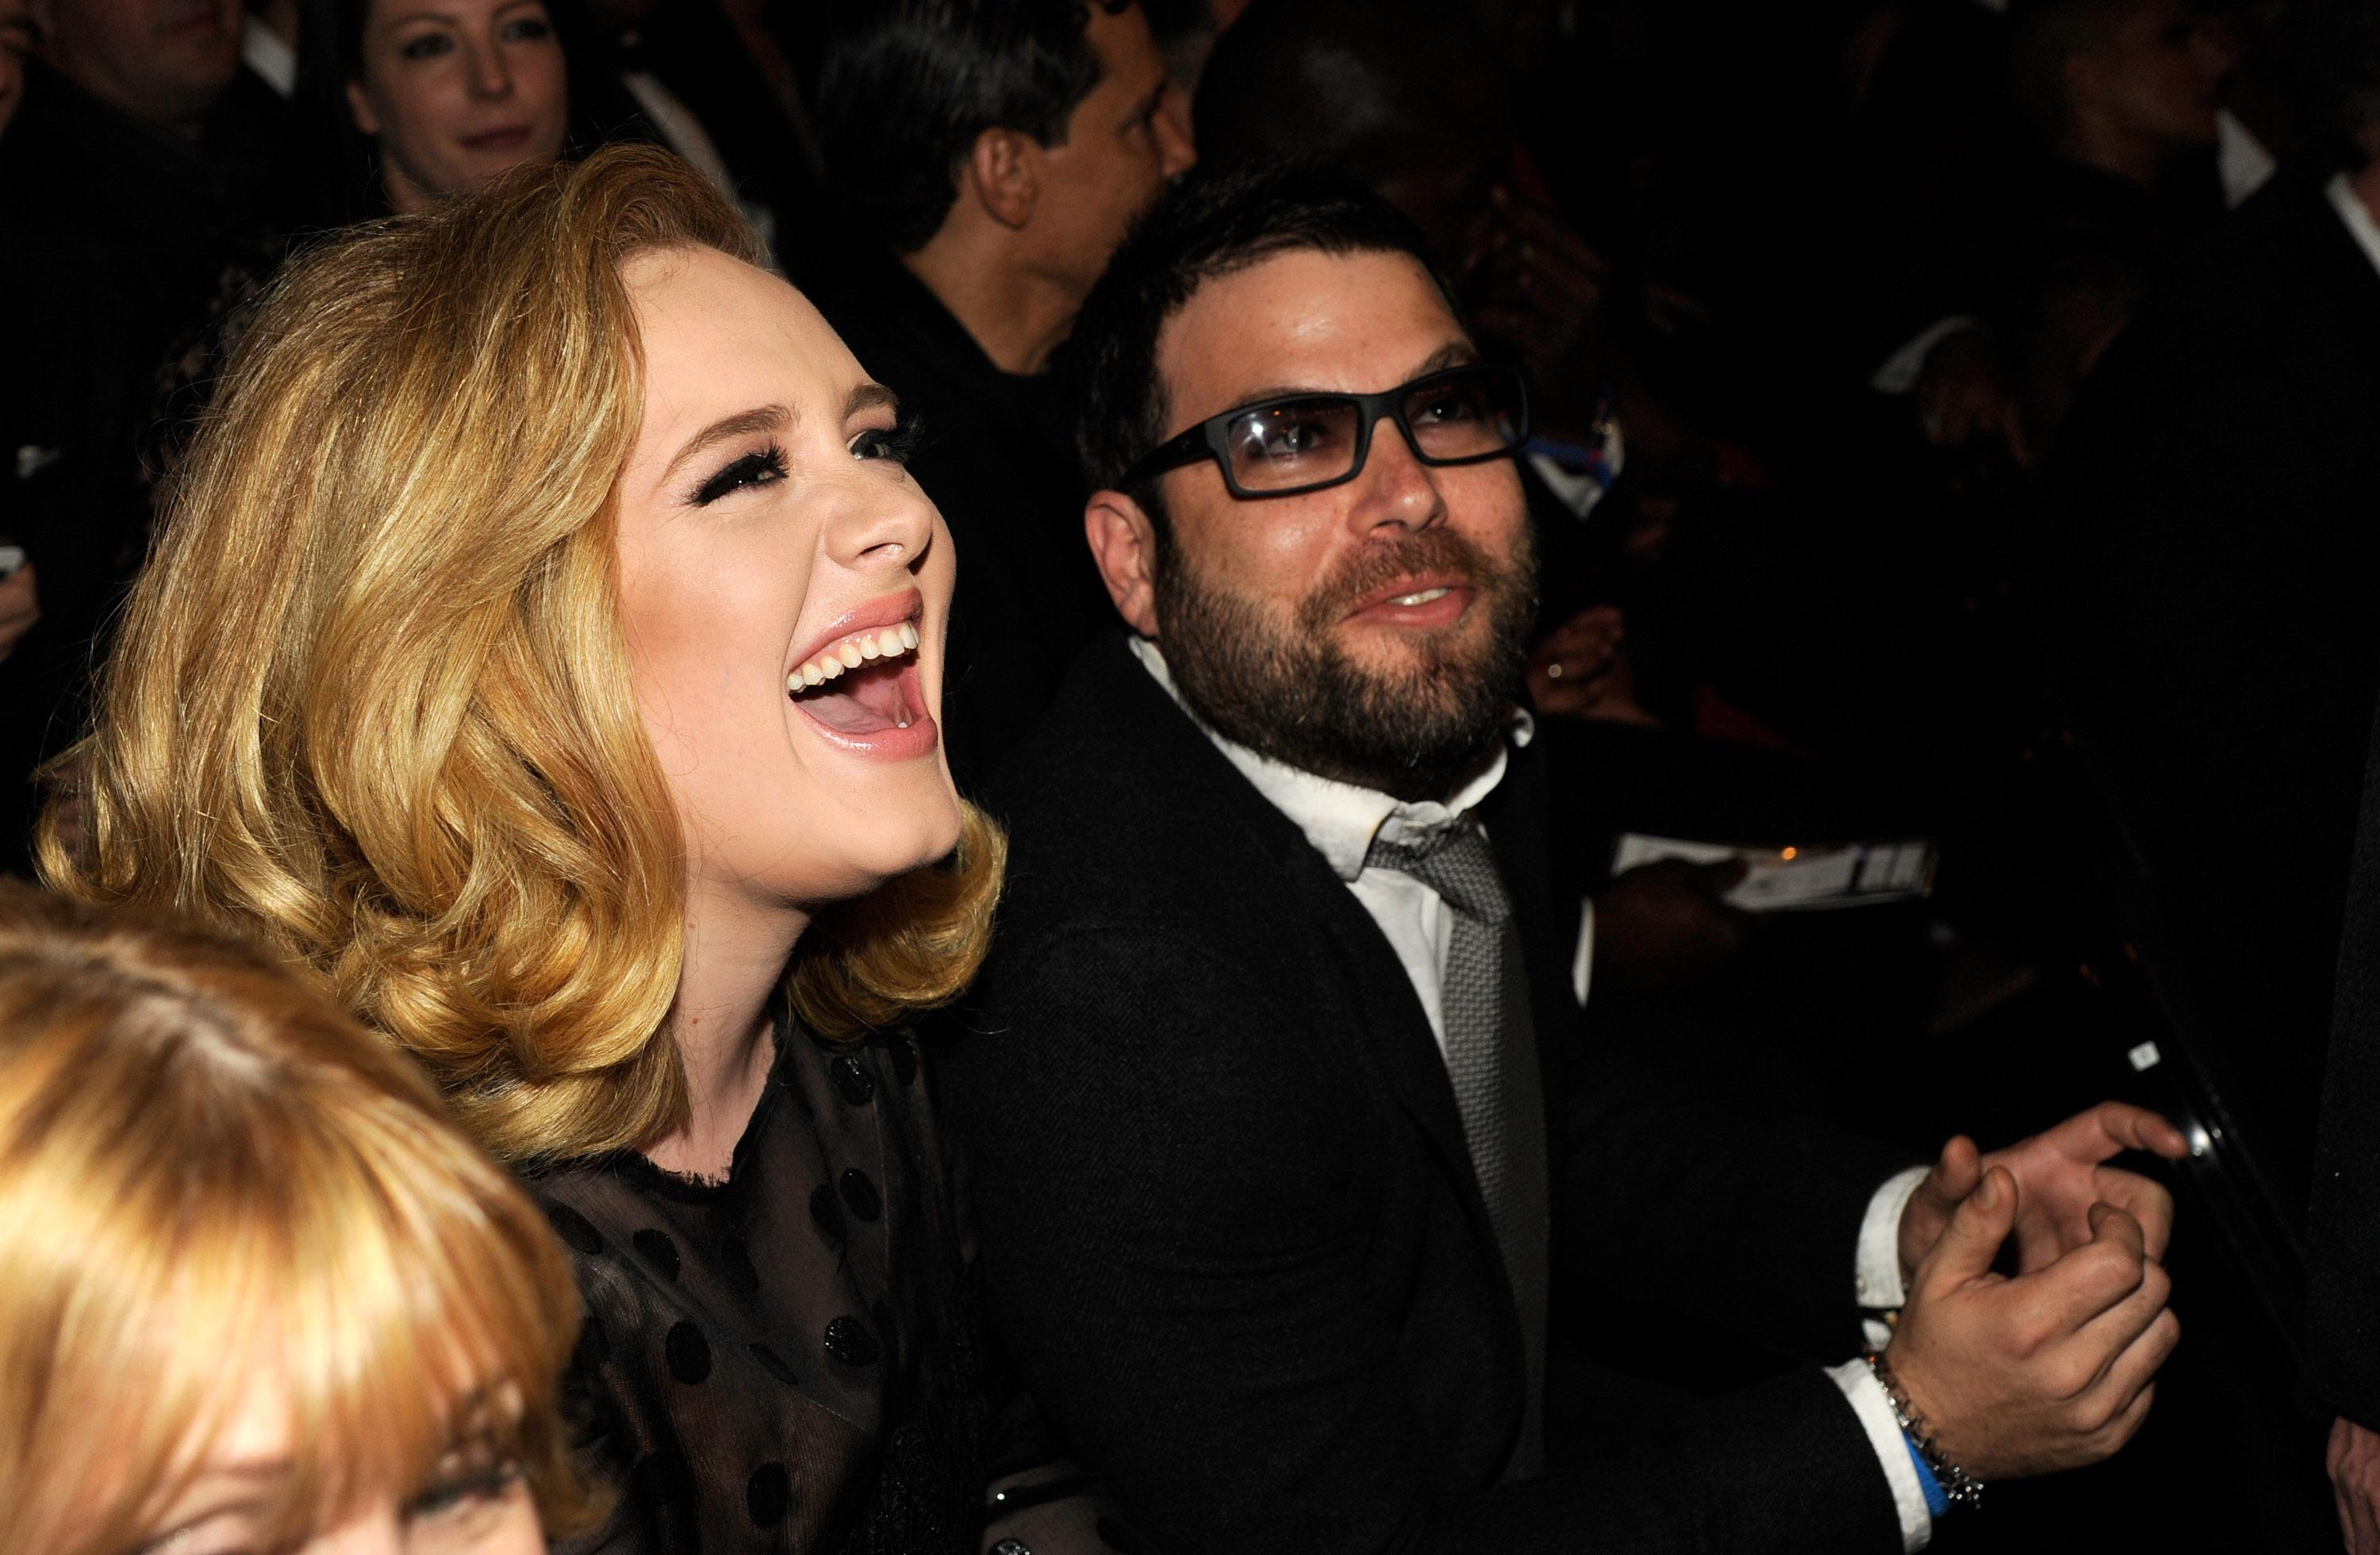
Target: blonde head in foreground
(261,1293)
(460,673)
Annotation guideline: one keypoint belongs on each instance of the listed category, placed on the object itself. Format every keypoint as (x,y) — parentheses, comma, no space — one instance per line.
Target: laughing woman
(545,647)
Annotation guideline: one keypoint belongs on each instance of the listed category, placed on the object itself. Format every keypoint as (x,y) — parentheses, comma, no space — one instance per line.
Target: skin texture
(1362,323)
(719,602)
(162,61)
(439,73)
(471,1508)
(1033,225)
(16,47)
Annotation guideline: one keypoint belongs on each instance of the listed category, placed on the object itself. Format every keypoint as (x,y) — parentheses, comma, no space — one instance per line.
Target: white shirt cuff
(1876,1417)
(1876,1273)
(1901,370)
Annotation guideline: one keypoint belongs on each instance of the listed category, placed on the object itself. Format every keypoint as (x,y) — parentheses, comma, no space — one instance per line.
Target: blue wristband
(1936,1503)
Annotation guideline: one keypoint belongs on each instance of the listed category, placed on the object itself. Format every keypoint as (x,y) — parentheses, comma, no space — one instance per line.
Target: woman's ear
(359,109)
(1123,544)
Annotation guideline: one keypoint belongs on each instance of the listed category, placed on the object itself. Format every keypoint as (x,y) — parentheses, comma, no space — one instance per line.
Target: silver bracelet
(1958,1487)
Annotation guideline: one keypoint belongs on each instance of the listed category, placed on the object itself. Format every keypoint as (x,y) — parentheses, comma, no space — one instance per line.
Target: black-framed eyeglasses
(1305,442)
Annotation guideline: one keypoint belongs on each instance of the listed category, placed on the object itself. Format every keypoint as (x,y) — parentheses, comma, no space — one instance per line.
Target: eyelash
(896,443)
(764,469)
(447,1495)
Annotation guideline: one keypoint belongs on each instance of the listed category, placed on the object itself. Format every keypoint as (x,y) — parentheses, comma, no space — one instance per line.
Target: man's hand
(2355,1485)
(2043,1371)
(1961,401)
(1581,669)
(2061,1175)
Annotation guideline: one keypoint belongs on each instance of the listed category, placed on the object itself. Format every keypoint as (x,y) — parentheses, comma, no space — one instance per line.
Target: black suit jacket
(2212,531)
(1232,1240)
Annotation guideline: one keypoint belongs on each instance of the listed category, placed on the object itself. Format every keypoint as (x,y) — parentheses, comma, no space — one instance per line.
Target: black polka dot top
(782,1361)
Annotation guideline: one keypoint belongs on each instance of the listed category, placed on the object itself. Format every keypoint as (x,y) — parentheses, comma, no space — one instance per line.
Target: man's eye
(753,469)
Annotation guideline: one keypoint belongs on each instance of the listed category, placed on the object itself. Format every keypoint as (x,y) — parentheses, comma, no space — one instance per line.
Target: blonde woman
(545,647)
(261,1294)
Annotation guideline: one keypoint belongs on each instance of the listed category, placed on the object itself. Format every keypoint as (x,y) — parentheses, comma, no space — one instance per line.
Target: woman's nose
(881,527)
(492,74)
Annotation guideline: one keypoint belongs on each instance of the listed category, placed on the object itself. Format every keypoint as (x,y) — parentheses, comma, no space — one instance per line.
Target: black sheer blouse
(785,1360)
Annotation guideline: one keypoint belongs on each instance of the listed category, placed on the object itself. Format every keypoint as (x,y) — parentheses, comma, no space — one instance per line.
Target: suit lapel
(1367,989)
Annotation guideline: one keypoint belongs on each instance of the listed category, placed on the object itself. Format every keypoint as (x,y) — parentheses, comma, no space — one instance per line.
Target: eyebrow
(759,418)
(869,397)
(1454,353)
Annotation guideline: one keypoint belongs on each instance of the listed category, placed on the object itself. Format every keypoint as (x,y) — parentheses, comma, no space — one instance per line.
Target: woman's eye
(753,469)
(427,45)
(527,30)
(894,442)
(463,1495)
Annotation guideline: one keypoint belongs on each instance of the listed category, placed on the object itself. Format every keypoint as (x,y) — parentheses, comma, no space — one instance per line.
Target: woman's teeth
(1421,599)
(889,642)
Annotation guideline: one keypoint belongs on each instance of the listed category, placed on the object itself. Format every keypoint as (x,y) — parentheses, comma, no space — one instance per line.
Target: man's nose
(1395,489)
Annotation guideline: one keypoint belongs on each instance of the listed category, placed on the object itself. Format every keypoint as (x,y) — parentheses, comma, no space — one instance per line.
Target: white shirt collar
(2351,210)
(1340,818)
(263,52)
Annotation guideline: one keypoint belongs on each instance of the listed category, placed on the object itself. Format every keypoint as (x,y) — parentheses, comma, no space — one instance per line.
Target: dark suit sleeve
(2343,1222)
(1681,1205)
(1175,1264)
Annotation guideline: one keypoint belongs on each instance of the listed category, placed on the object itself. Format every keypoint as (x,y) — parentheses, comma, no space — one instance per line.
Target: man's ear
(1123,544)
(359,108)
(1003,173)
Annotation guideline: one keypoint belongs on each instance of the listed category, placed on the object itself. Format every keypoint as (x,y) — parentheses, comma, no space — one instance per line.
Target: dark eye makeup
(896,443)
(763,468)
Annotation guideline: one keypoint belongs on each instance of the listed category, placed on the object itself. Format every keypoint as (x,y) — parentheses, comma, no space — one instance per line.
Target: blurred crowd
(1950,419)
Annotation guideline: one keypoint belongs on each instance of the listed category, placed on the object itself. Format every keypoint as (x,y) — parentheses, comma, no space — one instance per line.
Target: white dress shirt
(2357,215)
(1342,820)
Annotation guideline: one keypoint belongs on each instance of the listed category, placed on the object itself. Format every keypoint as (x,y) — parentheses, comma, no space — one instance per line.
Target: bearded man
(1286,1146)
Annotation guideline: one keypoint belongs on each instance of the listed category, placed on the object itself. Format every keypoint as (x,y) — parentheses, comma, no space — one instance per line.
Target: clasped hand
(2053,1366)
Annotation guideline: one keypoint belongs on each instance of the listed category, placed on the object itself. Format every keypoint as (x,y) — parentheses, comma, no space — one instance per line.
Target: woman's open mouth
(863,684)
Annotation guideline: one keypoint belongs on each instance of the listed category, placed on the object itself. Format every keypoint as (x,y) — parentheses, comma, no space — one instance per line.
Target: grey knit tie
(1491,1056)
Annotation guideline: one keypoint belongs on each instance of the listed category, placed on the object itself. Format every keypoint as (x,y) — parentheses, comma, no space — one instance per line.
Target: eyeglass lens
(1302,443)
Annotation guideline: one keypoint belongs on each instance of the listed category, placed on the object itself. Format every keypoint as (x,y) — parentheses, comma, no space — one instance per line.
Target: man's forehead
(1307,319)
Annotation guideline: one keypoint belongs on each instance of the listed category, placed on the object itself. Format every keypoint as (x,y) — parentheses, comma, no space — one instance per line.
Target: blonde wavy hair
(371,699)
(211,1179)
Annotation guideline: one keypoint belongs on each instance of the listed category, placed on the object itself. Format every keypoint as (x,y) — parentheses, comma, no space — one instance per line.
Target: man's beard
(1299,697)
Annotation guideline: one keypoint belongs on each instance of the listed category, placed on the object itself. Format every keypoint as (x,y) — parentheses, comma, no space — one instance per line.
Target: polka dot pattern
(853,1081)
(767,1494)
(848,1340)
(860,1193)
(688,1354)
(574,1229)
(658,1250)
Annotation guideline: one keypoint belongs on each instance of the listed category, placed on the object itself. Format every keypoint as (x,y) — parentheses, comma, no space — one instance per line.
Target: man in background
(999,151)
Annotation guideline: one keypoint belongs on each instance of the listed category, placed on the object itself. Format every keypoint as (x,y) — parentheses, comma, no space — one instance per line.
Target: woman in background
(414,105)
(545,645)
(261,1294)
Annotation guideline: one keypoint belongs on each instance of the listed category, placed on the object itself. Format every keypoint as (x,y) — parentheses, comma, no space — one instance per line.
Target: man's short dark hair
(1369,86)
(904,87)
(1211,225)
